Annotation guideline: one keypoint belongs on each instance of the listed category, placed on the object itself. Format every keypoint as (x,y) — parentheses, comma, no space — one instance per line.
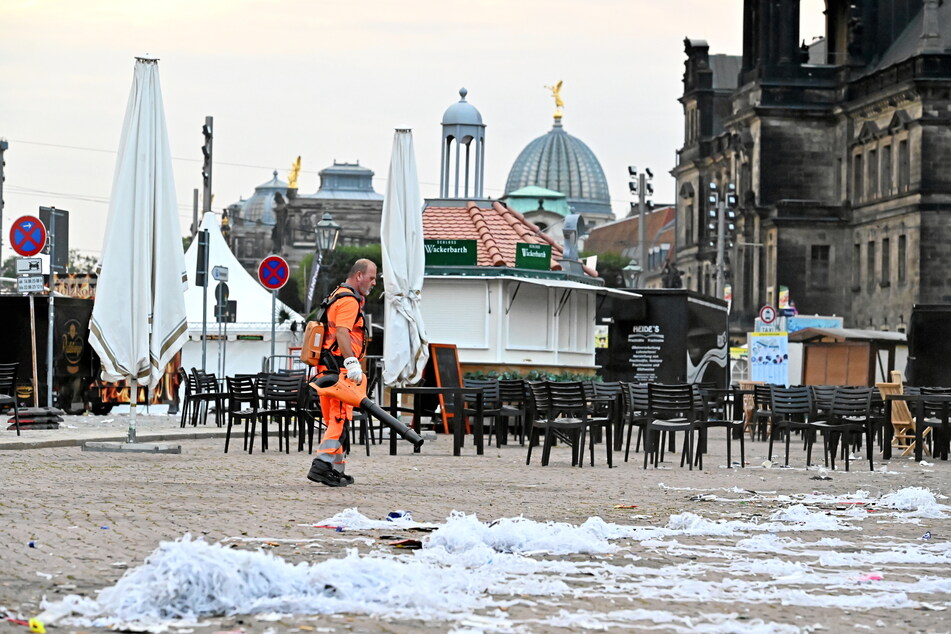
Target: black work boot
(322,472)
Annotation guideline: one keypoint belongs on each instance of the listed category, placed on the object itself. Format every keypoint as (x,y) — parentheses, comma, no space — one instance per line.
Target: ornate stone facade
(278,219)
(839,154)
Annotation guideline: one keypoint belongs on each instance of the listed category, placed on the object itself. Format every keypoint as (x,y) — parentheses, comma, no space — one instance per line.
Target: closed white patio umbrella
(405,345)
(138,320)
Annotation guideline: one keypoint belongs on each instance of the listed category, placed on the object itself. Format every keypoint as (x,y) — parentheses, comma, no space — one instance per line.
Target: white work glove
(354,371)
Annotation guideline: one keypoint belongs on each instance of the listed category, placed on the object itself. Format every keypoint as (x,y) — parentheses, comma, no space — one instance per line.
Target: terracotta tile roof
(495,229)
(617,236)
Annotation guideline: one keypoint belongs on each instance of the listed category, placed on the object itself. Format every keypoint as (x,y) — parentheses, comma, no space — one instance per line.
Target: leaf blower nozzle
(342,388)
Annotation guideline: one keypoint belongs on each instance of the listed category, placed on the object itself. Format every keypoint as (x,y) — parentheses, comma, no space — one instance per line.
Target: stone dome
(260,206)
(462,112)
(563,163)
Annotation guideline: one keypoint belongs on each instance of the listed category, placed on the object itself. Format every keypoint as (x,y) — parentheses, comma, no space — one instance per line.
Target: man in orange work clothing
(344,344)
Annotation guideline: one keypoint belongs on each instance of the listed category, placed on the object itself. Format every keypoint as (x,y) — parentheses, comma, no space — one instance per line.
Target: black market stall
(671,336)
(76,383)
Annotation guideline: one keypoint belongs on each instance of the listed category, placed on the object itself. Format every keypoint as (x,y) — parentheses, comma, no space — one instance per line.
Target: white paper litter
(919,502)
(469,571)
(189,579)
(520,535)
(352,519)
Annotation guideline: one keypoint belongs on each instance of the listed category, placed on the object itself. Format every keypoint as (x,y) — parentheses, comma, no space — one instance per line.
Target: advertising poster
(769,357)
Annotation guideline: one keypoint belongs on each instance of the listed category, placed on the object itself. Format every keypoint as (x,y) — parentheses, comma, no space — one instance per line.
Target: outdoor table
(739,400)
(919,409)
(458,413)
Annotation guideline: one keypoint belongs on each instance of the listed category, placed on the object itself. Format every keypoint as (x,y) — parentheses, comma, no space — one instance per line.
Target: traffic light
(201,268)
(206,152)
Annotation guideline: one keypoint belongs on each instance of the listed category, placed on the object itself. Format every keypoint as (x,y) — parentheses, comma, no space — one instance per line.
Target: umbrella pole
(133,401)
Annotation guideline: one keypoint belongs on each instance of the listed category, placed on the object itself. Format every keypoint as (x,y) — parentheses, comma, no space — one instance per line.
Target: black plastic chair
(671,408)
(514,405)
(568,419)
(207,391)
(605,401)
(282,403)
(850,416)
(8,392)
(193,401)
(491,403)
(792,408)
(761,413)
(636,405)
(937,412)
(539,404)
(370,433)
(822,396)
(242,408)
(721,407)
(548,423)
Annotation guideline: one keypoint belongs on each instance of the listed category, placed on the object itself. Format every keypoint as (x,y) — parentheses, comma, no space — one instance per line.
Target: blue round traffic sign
(27,235)
(273,272)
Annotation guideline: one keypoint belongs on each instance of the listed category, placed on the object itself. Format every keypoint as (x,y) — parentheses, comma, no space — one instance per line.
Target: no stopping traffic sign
(273,272)
(27,235)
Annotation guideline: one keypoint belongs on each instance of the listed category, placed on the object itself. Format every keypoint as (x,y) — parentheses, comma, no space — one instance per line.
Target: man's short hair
(360,266)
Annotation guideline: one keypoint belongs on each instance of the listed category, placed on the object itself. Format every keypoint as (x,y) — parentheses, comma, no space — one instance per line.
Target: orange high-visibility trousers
(336,415)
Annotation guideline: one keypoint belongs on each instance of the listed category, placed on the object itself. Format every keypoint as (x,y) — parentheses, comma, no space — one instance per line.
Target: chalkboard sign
(443,370)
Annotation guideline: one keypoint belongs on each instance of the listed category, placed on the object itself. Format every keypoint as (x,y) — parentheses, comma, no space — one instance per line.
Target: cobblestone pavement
(73,521)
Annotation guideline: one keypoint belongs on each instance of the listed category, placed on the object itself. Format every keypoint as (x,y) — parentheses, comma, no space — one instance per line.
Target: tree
(81,262)
(9,268)
(334,270)
(610,267)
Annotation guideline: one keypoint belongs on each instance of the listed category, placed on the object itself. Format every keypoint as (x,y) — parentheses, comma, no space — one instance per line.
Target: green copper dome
(563,163)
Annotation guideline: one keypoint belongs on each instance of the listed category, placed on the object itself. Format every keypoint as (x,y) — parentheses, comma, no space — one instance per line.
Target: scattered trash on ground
(36,626)
(392,516)
(468,570)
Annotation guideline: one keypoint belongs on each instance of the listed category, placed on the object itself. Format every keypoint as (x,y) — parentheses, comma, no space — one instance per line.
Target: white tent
(249,337)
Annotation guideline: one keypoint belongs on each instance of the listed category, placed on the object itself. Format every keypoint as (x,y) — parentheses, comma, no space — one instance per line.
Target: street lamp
(641,186)
(721,228)
(631,274)
(327,233)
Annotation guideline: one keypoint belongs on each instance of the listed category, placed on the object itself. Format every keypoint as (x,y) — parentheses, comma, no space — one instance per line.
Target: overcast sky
(331,80)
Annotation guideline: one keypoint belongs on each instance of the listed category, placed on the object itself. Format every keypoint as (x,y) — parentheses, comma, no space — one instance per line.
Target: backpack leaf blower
(342,388)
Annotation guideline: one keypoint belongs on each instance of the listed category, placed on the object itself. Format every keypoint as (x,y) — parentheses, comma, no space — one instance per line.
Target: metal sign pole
(204,324)
(50,310)
(49,345)
(224,353)
(219,345)
(36,383)
(273,311)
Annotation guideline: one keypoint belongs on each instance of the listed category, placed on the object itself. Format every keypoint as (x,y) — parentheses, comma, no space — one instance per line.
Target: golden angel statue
(292,176)
(556,93)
